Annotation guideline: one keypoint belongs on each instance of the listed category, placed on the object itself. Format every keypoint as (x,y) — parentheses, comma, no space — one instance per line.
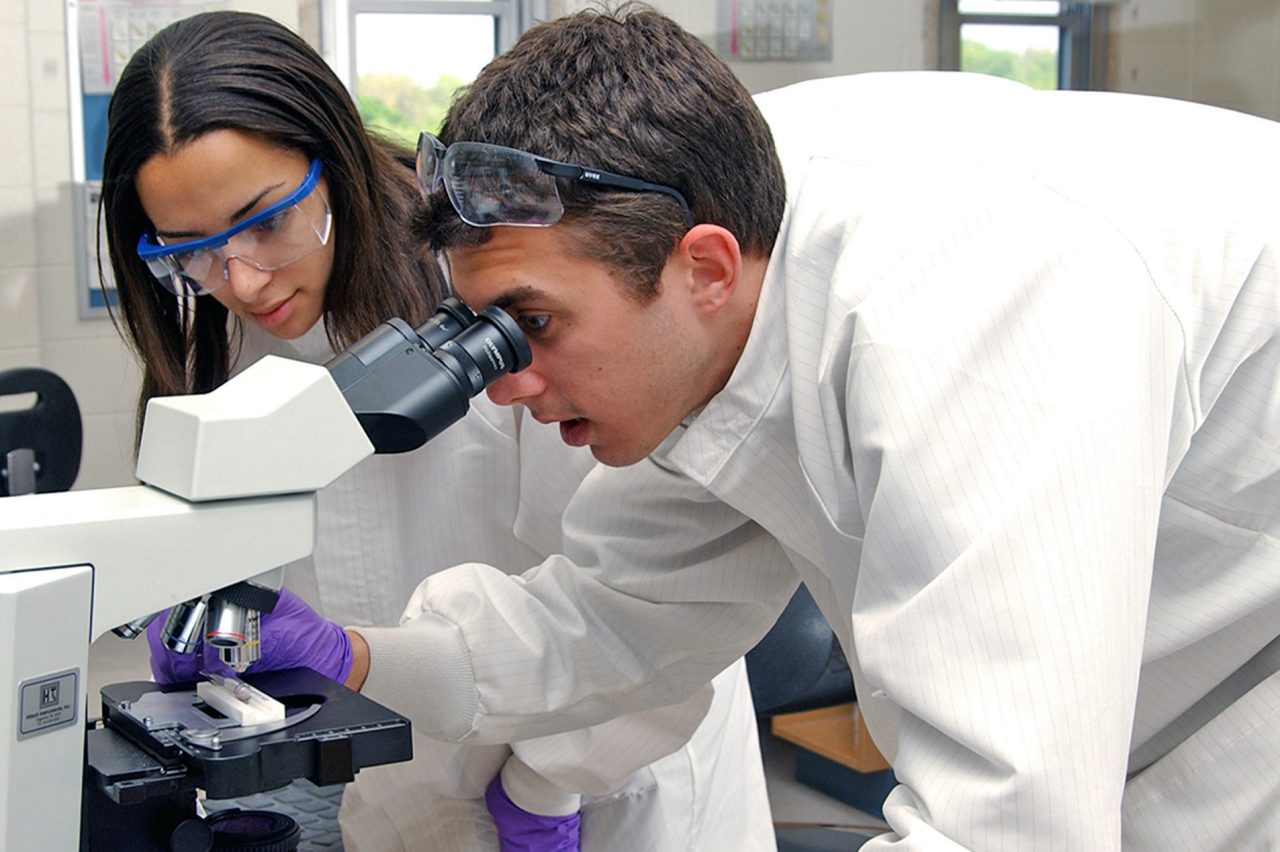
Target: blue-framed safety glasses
(492,185)
(287,231)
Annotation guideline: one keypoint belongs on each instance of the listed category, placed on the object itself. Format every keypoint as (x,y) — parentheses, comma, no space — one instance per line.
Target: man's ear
(713,263)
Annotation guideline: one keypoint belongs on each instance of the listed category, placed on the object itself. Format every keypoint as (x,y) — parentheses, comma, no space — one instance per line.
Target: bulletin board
(102,35)
(774,30)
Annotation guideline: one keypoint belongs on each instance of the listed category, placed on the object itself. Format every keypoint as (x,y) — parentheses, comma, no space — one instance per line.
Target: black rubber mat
(315,809)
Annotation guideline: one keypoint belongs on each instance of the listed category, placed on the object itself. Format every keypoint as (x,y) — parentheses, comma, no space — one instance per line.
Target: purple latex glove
(293,636)
(521,831)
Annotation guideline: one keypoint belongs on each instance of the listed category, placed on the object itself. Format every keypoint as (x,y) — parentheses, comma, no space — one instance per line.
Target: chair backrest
(798,665)
(40,444)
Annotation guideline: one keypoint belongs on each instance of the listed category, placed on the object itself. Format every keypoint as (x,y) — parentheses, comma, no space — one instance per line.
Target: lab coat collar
(703,444)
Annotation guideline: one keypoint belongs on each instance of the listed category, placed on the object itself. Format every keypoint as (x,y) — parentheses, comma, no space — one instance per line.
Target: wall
(39,322)
(867,35)
(39,314)
(1222,52)
(1225,52)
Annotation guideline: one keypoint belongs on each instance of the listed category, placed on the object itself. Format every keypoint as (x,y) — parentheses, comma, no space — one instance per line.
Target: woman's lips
(275,316)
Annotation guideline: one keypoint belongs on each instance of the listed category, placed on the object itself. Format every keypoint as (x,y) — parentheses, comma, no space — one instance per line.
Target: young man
(231,132)
(1002,388)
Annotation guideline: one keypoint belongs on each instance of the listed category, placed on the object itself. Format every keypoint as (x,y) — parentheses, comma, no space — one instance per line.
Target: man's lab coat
(1011,408)
(493,487)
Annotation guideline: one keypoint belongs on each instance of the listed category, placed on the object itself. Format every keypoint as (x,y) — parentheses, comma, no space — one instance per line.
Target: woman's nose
(245,280)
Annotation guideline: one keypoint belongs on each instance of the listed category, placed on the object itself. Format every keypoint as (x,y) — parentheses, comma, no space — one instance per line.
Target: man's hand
(521,831)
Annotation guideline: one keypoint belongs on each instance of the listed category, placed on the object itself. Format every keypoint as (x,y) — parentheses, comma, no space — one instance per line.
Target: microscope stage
(155,740)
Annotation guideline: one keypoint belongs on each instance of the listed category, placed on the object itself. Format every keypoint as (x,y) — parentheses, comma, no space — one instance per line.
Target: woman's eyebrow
(231,220)
(239,214)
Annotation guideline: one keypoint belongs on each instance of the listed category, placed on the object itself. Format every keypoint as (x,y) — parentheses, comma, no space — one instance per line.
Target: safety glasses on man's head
(287,231)
(492,185)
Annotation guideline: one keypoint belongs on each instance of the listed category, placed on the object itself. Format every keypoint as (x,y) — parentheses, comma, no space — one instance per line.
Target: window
(1043,43)
(406,58)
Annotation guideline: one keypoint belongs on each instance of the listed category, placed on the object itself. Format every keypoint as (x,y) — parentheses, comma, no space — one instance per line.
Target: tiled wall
(39,313)
(39,324)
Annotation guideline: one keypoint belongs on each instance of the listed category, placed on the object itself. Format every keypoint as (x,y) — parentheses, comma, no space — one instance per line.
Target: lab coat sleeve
(1008,402)
(660,587)
(598,759)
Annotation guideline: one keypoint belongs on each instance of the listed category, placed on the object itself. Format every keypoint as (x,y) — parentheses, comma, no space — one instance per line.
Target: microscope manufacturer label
(48,702)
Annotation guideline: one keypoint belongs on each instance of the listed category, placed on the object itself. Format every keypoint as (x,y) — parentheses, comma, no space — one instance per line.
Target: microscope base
(142,772)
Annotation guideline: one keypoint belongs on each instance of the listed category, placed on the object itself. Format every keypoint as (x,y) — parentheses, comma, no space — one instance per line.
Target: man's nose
(245,280)
(514,388)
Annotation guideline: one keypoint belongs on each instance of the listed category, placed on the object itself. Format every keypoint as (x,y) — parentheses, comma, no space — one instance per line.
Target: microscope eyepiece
(452,316)
(488,348)
(407,385)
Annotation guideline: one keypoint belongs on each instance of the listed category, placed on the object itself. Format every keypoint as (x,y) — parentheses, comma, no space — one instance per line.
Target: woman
(266,81)
(248,212)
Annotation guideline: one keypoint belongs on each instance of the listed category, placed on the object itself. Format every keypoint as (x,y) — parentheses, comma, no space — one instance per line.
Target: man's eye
(534,322)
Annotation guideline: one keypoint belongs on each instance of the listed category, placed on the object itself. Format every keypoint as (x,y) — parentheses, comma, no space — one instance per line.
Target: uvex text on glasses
(492,185)
(285,232)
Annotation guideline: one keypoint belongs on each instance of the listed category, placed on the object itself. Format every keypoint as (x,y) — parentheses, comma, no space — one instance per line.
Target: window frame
(511,18)
(1082,34)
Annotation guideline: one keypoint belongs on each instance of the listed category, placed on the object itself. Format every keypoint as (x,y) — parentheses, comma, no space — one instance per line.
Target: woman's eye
(272,223)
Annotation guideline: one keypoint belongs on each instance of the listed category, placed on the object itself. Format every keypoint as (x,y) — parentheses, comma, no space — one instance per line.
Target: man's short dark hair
(631,92)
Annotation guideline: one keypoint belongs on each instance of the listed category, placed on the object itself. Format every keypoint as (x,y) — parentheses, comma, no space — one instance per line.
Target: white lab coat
(1011,407)
(495,485)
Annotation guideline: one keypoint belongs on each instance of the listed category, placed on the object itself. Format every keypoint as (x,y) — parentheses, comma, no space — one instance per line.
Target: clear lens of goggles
(282,234)
(285,238)
(489,184)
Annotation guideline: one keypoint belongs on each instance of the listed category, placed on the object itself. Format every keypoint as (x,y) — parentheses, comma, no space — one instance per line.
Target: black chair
(799,664)
(40,445)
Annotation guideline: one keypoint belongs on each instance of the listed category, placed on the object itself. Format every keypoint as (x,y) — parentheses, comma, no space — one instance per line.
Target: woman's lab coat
(493,487)
(1011,409)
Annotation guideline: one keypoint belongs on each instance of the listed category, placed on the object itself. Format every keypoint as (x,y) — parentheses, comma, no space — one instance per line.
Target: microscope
(227,498)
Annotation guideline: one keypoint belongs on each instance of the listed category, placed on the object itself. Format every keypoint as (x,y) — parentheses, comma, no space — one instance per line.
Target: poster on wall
(774,30)
(102,36)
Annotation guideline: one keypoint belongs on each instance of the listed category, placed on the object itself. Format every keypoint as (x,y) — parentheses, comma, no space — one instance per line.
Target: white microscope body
(230,490)
(231,480)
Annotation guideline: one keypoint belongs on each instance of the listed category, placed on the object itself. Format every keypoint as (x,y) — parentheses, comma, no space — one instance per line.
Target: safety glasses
(286,232)
(492,185)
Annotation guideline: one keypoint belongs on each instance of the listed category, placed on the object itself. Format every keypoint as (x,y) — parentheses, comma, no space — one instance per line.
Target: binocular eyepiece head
(407,385)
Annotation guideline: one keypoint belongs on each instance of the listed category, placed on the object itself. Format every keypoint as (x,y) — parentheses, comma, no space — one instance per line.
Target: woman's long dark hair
(241,71)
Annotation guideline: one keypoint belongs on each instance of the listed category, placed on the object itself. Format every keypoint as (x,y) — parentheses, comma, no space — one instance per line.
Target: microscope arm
(150,550)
